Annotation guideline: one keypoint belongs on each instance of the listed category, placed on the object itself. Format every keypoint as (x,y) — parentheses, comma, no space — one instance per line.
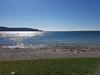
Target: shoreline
(49,52)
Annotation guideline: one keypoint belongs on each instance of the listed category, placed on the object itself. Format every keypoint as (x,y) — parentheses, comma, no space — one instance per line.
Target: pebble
(12,73)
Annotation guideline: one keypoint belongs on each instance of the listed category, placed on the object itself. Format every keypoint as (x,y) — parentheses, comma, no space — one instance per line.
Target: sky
(51,15)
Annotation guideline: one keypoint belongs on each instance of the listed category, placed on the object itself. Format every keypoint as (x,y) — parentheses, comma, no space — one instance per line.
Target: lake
(50,38)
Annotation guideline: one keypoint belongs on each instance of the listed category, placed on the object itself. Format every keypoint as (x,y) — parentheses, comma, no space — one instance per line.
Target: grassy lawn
(62,66)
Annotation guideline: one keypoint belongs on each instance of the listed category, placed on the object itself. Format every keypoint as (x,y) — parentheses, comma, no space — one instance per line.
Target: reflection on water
(19,36)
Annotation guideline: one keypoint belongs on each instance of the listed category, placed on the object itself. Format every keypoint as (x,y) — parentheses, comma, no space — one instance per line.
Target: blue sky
(51,15)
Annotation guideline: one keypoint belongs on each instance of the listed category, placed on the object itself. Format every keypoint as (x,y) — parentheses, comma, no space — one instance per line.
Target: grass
(61,66)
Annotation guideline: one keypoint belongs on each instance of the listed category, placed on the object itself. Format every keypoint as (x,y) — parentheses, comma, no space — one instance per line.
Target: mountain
(18,29)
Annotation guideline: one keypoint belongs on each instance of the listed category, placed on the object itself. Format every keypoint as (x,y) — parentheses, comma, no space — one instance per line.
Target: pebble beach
(49,52)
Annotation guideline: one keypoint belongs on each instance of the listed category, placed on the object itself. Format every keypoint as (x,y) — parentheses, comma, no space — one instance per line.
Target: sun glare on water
(19,34)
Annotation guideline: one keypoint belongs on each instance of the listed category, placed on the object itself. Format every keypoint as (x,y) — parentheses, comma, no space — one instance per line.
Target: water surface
(49,38)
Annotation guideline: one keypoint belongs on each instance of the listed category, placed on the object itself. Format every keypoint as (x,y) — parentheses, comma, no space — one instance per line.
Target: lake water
(49,38)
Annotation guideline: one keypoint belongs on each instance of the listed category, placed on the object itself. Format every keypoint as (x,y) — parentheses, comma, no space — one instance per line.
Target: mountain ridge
(2,28)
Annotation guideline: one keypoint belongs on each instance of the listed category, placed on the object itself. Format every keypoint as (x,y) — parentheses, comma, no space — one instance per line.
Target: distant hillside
(17,29)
